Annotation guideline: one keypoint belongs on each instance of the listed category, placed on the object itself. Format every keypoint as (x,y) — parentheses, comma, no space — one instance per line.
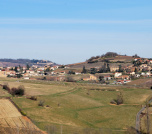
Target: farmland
(79,107)
(11,120)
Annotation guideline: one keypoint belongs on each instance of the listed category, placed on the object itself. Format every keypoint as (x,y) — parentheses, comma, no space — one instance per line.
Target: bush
(6,87)
(41,103)
(18,91)
(119,99)
(13,91)
(113,102)
(24,114)
(33,98)
(21,90)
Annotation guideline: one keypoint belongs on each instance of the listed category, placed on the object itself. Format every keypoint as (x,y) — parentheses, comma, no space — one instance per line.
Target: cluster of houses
(120,74)
(124,74)
(25,72)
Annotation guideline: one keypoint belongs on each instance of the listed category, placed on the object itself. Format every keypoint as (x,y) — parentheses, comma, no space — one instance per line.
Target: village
(108,73)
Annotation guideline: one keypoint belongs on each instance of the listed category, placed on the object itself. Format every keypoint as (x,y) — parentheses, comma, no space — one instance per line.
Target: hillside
(24,62)
(113,59)
(80,107)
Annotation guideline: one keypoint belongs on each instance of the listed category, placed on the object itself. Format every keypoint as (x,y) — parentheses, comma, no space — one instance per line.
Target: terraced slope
(12,122)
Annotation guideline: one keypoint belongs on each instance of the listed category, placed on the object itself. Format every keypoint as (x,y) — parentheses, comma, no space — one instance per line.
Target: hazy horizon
(69,32)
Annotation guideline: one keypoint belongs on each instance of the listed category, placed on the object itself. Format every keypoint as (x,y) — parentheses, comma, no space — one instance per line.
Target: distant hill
(111,58)
(24,62)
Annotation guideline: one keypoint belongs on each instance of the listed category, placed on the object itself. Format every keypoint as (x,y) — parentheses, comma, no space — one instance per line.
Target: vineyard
(12,122)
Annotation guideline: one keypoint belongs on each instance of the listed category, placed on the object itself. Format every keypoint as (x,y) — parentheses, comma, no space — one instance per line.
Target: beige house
(143,65)
(3,74)
(93,77)
(114,68)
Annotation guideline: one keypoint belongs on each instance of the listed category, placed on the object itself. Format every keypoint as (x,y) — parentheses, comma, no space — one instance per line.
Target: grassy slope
(71,106)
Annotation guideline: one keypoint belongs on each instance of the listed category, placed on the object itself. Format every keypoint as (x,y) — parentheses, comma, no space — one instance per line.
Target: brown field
(11,120)
(141,82)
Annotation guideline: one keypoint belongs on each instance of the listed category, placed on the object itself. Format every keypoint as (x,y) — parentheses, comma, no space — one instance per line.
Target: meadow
(79,107)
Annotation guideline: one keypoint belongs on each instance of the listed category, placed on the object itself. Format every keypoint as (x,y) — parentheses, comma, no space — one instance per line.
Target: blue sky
(70,31)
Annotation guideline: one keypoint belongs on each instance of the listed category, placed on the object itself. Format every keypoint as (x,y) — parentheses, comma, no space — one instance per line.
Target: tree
(135,56)
(105,68)
(15,69)
(100,70)
(93,70)
(12,69)
(84,71)
(71,72)
(108,68)
(19,75)
(47,70)
(111,54)
(120,68)
(21,68)
(136,70)
(101,78)
(27,67)
(119,99)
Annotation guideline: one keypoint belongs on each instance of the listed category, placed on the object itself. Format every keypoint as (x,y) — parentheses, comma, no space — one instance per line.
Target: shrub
(13,91)
(18,91)
(119,99)
(6,87)
(24,114)
(41,103)
(113,102)
(33,98)
(21,90)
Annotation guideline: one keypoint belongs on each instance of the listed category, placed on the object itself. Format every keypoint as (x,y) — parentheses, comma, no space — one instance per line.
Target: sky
(71,31)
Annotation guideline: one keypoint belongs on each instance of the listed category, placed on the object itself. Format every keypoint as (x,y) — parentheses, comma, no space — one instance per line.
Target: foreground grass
(74,108)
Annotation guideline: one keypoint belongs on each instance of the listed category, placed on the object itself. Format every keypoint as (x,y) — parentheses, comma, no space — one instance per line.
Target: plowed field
(12,122)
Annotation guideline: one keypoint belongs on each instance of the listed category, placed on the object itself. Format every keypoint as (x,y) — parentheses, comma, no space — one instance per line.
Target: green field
(74,108)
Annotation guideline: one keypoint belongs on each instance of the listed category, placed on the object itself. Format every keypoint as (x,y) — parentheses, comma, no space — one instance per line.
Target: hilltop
(111,58)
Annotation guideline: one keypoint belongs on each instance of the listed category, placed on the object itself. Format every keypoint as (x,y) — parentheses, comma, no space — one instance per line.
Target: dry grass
(139,81)
(76,107)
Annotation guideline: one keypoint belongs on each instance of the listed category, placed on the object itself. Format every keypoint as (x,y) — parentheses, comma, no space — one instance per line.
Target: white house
(132,73)
(117,74)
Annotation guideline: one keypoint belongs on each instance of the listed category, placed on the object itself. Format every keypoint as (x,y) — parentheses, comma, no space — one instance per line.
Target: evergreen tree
(27,67)
(120,68)
(15,69)
(84,71)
